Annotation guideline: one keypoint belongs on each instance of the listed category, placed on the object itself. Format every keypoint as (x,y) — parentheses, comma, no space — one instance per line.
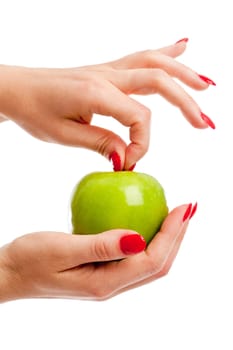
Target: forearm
(3,88)
(8,283)
(5,82)
(11,79)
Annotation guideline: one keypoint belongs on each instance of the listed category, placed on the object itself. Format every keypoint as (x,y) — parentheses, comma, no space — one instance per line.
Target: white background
(192,307)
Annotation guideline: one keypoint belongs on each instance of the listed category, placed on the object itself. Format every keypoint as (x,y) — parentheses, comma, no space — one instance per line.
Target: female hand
(57,105)
(59,265)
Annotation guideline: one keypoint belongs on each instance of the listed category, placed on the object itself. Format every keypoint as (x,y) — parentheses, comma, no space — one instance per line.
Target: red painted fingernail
(207,80)
(132,244)
(116,160)
(132,167)
(193,211)
(187,212)
(185,40)
(207,120)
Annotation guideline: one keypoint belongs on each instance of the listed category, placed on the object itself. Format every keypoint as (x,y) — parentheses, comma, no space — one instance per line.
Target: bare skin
(93,267)
(57,105)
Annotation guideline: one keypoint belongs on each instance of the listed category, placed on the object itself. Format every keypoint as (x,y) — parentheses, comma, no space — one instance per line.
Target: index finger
(145,58)
(130,113)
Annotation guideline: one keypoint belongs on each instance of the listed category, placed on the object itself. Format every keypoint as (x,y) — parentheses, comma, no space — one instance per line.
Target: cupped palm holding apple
(57,105)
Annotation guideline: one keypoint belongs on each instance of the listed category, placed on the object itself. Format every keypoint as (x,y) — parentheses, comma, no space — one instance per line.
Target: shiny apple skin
(108,200)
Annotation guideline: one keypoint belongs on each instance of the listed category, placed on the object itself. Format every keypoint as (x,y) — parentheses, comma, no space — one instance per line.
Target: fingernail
(207,120)
(116,160)
(187,212)
(185,40)
(132,244)
(207,80)
(193,211)
(132,167)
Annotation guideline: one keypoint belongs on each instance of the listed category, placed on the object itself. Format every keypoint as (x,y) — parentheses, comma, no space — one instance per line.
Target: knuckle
(100,291)
(100,294)
(146,114)
(100,250)
(160,76)
(104,142)
(94,87)
(142,147)
(143,117)
(140,131)
(148,57)
(90,85)
(154,266)
(164,271)
(151,58)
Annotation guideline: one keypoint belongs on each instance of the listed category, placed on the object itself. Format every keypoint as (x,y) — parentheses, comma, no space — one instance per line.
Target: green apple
(103,201)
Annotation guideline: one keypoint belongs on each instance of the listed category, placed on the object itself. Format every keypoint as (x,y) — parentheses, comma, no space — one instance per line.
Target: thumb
(97,139)
(111,101)
(106,246)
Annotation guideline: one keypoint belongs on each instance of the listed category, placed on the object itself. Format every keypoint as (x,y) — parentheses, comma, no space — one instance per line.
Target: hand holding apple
(59,265)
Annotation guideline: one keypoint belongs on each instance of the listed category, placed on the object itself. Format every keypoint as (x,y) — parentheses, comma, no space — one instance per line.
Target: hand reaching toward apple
(57,105)
(59,265)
